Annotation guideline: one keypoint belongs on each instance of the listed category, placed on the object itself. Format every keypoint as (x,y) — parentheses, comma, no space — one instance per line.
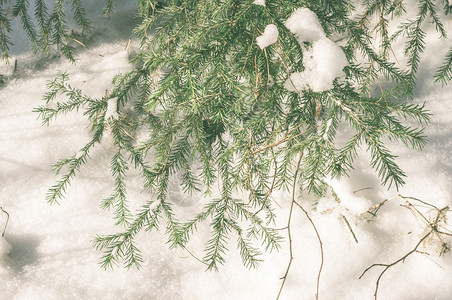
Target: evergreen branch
(42,17)
(59,86)
(314,171)
(346,156)
(120,246)
(57,191)
(59,35)
(79,15)
(5,29)
(248,253)
(109,7)
(20,9)
(444,73)
(383,162)
(189,227)
(358,37)
(175,239)
(216,248)
(215,109)
(118,169)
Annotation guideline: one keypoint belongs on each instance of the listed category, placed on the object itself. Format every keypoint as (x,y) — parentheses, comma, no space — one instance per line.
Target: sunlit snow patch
(323,61)
(355,204)
(5,247)
(269,37)
(305,24)
(111,108)
(259,2)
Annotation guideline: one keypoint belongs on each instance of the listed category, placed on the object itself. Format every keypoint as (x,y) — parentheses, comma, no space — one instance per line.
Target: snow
(269,37)
(348,200)
(112,106)
(50,253)
(79,154)
(154,205)
(327,129)
(305,24)
(259,2)
(324,61)
(5,248)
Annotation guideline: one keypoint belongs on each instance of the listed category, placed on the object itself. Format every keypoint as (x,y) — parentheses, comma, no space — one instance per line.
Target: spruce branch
(80,15)
(215,109)
(444,73)
(109,7)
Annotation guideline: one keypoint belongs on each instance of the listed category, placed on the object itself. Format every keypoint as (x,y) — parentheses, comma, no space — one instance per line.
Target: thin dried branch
(284,278)
(387,266)
(433,229)
(7,220)
(194,256)
(350,228)
(374,209)
(321,248)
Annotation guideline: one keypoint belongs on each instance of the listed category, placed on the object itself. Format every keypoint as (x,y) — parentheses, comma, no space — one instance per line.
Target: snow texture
(269,37)
(355,204)
(112,106)
(52,255)
(324,61)
(5,248)
(79,154)
(259,2)
(327,129)
(305,24)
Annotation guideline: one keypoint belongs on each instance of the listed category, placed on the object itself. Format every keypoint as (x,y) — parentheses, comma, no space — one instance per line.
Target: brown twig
(350,228)
(374,209)
(434,229)
(269,192)
(194,256)
(321,248)
(284,278)
(387,266)
(77,41)
(7,220)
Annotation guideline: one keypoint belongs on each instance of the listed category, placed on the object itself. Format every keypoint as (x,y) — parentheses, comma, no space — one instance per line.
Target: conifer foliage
(46,27)
(230,112)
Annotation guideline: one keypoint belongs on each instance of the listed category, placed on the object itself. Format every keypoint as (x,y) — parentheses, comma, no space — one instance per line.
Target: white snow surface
(324,60)
(52,256)
(269,37)
(5,248)
(259,2)
(305,24)
(112,106)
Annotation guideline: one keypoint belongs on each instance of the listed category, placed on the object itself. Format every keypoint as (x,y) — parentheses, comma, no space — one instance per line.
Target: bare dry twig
(284,278)
(387,266)
(321,248)
(433,227)
(350,228)
(7,220)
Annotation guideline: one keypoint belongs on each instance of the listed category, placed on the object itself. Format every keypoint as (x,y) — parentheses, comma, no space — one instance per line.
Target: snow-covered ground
(52,256)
